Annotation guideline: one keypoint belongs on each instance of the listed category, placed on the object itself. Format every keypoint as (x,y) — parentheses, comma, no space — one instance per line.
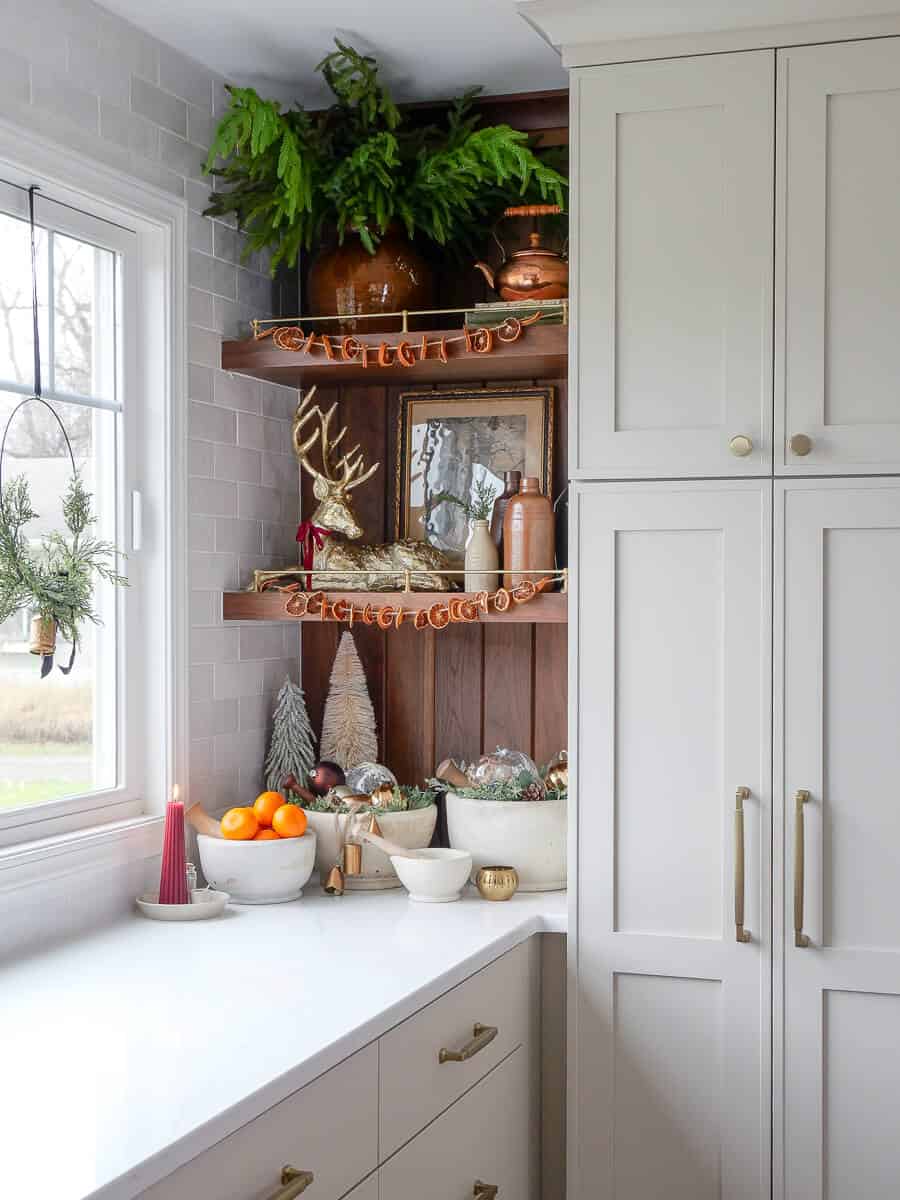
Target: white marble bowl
(434,876)
(269,872)
(412,829)
(529,835)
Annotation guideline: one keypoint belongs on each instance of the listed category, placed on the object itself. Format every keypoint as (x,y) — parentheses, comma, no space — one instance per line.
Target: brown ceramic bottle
(528,534)
(511,480)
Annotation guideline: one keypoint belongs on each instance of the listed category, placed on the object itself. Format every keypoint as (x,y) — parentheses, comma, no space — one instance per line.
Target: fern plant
(362,163)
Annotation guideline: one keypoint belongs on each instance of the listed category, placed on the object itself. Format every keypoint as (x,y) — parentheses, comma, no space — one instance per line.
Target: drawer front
(415,1085)
(329,1128)
(490,1136)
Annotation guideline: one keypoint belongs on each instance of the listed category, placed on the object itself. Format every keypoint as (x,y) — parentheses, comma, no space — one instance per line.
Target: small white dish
(434,876)
(205,903)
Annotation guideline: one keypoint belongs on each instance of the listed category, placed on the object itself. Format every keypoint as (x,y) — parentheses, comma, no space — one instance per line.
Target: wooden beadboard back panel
(459,692)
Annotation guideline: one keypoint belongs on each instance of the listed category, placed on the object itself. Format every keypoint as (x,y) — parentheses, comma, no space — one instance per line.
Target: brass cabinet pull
(800,938)
(740,933)
(293,1182)
(484,1191)
(741,445)
(481,1036)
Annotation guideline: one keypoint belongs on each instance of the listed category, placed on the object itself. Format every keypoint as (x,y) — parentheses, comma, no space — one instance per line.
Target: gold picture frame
(446,440)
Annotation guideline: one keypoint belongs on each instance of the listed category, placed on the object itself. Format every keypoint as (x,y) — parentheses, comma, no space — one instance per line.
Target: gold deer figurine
(339,565)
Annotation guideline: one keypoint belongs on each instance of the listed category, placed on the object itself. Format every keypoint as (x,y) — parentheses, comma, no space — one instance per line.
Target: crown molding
(619,32)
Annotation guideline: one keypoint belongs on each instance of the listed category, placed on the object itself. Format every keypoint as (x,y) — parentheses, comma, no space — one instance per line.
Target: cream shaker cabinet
(837,766)
(671,950)
(837,404)
(672,241)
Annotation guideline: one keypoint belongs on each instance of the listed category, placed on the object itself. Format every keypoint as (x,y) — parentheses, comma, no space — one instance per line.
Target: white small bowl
(270,872)
(203,905)
(434,876)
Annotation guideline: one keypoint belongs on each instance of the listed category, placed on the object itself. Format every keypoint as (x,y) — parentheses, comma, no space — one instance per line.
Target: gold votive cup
(497,883)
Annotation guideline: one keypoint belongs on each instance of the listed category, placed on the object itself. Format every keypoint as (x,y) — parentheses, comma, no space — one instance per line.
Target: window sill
(111,845)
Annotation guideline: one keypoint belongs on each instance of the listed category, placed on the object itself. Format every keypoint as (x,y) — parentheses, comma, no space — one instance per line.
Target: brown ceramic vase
(529,541)
(347,280)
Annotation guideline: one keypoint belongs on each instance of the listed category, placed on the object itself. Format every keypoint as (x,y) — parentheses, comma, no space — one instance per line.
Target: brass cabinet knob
(800,444)
(740,445)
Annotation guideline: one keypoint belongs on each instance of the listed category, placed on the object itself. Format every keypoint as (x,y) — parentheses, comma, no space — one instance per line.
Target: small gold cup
(497,883)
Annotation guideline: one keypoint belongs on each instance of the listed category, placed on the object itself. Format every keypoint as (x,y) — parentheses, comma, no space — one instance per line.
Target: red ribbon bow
(311,538)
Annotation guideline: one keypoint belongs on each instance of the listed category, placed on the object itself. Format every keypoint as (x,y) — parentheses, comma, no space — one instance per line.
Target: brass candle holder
(497,883)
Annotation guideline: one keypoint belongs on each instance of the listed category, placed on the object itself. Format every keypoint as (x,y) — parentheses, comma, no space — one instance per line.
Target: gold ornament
(557,776)
(43,636)
(352,858)
(383,795)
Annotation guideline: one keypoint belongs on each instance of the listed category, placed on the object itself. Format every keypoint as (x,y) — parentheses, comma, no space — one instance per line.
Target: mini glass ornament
(366,777)
(503,766)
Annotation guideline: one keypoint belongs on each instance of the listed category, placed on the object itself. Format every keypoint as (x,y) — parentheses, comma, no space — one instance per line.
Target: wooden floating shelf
(540,353)
(551,608)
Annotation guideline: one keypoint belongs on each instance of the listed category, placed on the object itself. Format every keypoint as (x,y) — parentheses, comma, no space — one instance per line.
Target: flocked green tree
(292,748)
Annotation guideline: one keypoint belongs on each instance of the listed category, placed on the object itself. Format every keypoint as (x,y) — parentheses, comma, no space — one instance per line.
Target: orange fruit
(266,805)
(240,824)
(267,835)
(289,821)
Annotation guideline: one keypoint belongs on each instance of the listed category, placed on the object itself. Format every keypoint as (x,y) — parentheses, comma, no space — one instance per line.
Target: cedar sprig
(56,578)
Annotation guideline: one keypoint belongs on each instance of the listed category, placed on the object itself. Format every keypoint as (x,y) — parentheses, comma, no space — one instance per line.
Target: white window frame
(108,826)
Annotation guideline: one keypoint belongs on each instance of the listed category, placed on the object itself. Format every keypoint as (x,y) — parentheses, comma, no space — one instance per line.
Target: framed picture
(449,441)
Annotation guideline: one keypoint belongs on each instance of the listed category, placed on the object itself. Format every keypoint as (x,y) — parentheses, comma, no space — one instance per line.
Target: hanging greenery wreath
(54,579)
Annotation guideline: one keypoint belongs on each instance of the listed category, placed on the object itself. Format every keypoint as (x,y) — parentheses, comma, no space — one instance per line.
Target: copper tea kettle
(534,273)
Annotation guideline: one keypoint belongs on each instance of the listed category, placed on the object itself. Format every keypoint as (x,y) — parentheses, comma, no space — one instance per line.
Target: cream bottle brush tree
(348,724)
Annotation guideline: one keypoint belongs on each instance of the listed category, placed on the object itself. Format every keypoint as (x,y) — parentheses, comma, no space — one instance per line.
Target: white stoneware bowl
(434,876)
(204,904)
(412,830)
(529,835)
(270,872)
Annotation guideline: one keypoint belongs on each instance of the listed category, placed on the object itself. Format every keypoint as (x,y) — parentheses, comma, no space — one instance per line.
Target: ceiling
(429,49)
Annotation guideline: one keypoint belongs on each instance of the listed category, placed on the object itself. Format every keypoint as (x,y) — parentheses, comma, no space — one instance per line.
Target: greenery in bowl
(406,798)
(363,163)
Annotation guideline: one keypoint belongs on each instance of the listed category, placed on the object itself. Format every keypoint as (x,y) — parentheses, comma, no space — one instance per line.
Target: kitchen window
(94,746)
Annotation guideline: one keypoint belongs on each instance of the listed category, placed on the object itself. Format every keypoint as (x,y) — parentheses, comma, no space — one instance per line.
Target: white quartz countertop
(125,1053)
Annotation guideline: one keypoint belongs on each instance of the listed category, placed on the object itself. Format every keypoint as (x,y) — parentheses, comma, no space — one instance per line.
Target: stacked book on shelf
(491,313)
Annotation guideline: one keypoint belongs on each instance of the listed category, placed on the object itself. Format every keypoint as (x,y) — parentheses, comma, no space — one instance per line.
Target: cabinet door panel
(672,266)
(837,721)
(671,1011)
(838,300)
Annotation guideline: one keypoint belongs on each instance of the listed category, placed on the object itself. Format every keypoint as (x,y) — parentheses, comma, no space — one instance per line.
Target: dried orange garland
(352,349)
(458,609)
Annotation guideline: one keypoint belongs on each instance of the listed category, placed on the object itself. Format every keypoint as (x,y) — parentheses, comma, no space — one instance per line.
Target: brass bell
(334,882)
(374,827)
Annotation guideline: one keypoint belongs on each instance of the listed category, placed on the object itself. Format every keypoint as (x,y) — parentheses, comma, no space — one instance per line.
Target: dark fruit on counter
(324,776)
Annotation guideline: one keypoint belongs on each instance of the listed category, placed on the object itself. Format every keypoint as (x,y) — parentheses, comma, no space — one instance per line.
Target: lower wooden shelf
(549,608)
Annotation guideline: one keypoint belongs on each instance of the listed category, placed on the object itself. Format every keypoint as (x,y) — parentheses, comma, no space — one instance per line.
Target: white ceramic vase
(481,559)
(412,830)
(529,835)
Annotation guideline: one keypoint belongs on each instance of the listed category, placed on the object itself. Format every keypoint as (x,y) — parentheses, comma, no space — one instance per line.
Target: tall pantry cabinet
(735,936)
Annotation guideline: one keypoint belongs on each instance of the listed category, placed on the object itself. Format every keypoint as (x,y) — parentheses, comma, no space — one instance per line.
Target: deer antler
(350,477)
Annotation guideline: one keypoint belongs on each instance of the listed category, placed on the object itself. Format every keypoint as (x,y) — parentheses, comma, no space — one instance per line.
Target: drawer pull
(484,1191)
(293,1182)
(482,1035)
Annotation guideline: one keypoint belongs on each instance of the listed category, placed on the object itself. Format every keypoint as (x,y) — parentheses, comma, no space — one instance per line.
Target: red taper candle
(172,875)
